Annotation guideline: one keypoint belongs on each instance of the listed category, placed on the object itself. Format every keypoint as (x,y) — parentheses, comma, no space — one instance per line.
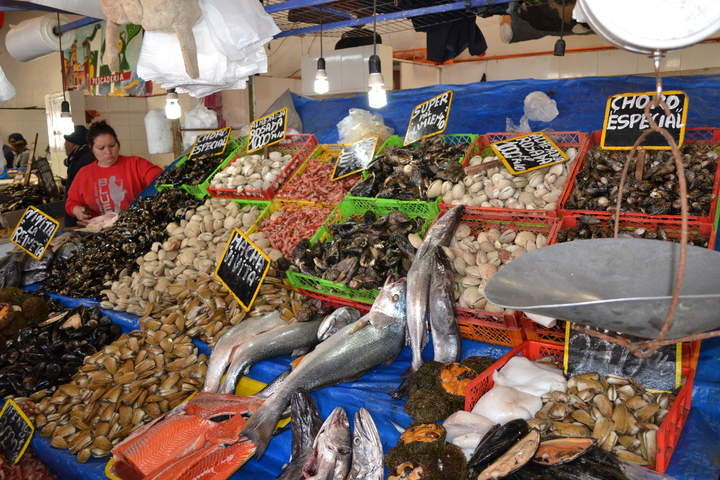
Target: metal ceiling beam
(416,12)
(76,24)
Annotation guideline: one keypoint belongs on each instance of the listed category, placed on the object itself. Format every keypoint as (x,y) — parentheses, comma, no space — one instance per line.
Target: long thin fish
(444,329)
(279,341)
(306,423)
(233,338)
(367,452)
(418,282)
(350,352)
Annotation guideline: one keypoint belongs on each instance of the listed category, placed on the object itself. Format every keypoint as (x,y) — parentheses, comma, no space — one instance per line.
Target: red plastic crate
(336,302)
(707,136)
(488,327)
(300,146)
(565,140)
(671,427)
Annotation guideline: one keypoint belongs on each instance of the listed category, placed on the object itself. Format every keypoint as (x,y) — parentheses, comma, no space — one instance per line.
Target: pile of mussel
(405,173)
(17,196)
(18,269)
(19,309)
(48,354)
(192,172)
(589,226)
(363,250)
(653,190)
(105,255)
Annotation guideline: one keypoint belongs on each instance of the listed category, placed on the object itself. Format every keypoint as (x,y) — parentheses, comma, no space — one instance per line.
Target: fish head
(389,306)
(336,430)
(337,320)
(366,438)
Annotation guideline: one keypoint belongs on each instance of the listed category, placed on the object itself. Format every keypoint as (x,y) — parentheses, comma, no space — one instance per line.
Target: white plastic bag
(359,124)
(198,117)
(158,130)
(538,107)
(7,90)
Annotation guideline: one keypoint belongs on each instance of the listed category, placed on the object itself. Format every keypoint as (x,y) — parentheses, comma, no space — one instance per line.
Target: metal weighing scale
(624,285)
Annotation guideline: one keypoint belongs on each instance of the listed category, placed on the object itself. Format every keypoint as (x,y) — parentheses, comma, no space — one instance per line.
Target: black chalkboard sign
(267,130)
(625,120)
(429,118)
(34,232)
(210,144)
(16,431)
(242,268)
(584,353)
(354,158)
(528,152)
(46,176)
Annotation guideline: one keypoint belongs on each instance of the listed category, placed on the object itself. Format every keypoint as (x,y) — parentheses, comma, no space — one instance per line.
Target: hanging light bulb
(321,85)
(559,50)
(173,110)
(377,97)
(66,124)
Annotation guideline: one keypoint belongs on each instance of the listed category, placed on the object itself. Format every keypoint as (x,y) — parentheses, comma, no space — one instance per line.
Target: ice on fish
(530,377)
(502,404)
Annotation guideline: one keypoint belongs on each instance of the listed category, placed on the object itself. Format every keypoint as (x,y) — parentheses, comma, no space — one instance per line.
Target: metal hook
(657,57)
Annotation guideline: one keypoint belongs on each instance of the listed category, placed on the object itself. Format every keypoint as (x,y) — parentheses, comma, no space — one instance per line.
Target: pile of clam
(191,251)
(251,172)
(619,413)
(476,257)
(205,309)
(498,188)
(130,382)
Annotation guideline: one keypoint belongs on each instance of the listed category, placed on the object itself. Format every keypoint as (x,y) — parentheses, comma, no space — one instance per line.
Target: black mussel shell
(496,442)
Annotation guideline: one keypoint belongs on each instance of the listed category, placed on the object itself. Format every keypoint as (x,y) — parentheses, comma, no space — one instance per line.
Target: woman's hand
(82,213)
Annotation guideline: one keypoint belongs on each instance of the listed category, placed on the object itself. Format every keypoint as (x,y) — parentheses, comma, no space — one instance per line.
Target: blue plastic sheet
(483,106)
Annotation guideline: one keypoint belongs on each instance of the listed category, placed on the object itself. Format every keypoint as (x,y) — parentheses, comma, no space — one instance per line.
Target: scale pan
(619,284)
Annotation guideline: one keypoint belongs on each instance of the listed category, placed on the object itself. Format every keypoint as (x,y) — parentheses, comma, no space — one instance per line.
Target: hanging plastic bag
(7,90)
(359,124)
(538,108)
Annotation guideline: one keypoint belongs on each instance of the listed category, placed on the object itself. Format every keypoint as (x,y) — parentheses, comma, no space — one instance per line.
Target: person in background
(78,155)
(16,146)
(112,181)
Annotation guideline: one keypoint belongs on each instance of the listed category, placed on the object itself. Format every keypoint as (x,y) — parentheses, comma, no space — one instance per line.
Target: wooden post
(26,182)
(177,138)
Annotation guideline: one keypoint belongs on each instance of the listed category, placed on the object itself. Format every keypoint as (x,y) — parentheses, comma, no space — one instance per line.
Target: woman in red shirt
(111,183)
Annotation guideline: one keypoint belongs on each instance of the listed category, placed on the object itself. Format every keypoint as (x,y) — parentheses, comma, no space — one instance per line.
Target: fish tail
(260,427)
(404,388)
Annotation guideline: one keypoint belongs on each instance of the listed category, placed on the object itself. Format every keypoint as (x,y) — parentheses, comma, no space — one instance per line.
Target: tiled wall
(127,117)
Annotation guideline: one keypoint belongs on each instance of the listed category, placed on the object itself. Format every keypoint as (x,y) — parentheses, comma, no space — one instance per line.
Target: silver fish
(331,451)
(306,424)
(236,336)
(281,340)
(445,334)
(360,346)
(418,281)
(367,451)
(337,320)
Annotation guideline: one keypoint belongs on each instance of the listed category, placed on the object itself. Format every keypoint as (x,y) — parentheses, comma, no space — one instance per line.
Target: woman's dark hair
(100,128)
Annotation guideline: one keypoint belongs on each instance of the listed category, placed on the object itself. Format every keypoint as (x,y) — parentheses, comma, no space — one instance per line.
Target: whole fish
(445,334)
(306,424)
(336,321)
(367,451)
(418,281)
(376,338)
(331,451)
(233,338)
(282,340)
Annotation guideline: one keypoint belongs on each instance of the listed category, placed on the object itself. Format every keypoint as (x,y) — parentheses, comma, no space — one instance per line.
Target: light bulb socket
(321,63)
(559,48)
(374,63)
(65,109)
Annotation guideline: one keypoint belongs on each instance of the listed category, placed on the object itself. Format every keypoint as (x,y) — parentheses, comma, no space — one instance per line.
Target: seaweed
(427,406)
(478,363)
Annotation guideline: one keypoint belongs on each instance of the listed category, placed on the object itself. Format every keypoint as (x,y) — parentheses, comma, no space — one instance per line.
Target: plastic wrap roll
(159,132)
(34,38)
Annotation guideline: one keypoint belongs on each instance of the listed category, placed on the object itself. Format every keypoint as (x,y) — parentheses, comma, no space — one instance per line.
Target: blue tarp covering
(477,108)
(482,107)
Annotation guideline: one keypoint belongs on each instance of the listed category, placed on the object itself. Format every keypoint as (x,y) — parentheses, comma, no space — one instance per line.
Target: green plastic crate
(353,206)
(201,190)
